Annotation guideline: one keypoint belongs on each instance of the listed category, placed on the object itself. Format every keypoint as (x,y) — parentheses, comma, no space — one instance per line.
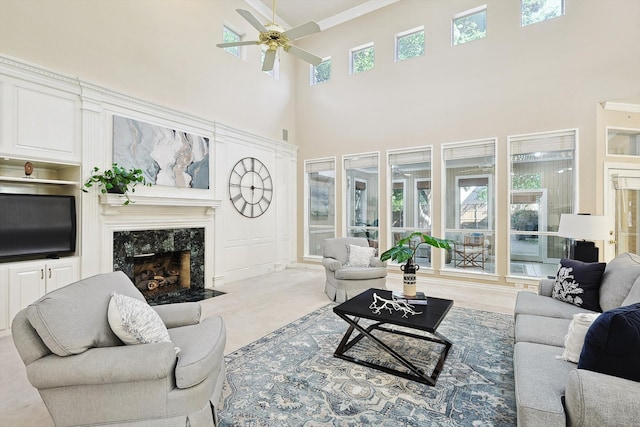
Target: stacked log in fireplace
(157,274)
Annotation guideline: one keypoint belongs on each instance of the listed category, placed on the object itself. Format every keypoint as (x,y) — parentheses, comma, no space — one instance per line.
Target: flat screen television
(37,226)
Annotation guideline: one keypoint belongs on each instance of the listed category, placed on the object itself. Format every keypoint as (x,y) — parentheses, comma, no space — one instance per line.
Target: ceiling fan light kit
(273,36)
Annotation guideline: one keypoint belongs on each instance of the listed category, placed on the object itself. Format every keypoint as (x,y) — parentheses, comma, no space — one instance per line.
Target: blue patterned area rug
(290,377)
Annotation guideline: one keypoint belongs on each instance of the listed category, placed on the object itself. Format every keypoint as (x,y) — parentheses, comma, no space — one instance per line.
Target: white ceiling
(327,13)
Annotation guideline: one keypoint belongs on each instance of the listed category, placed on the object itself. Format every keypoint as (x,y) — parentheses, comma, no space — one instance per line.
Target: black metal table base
(415,373)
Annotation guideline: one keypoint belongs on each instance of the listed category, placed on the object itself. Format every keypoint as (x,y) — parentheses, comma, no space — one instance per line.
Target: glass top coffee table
(431,314)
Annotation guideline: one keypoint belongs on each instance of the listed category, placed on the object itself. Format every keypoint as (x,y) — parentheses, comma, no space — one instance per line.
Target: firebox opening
(162,273)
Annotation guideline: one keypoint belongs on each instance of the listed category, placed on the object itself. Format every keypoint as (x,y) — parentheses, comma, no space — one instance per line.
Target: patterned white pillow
(360,256)
(574,340)
(134,321)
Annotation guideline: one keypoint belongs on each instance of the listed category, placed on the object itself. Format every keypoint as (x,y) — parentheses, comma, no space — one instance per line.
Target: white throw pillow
(360,256)
(134,321)
(574,340)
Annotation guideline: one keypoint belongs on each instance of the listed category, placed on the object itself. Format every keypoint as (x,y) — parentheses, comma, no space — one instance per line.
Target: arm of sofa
(595,399)
(105,365)
(545,287)
(181,314)
(331,264)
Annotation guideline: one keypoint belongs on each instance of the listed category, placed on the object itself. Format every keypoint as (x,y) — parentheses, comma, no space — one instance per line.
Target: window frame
(240,34)
(562,13)
(308,164)
(312,74)
(406,33)
(466,14)
(348,183)
(544,137)
(357,49)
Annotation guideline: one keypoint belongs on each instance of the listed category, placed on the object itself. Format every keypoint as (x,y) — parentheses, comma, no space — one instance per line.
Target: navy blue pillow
(612,343)
(578,283)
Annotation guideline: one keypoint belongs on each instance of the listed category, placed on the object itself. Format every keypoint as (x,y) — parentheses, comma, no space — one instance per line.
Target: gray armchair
(344,282)
(86,376)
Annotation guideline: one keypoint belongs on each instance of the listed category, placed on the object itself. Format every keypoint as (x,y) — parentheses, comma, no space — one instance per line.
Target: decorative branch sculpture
(380,304)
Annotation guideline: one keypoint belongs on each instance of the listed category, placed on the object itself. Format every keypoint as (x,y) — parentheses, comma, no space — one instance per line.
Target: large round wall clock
(250,187)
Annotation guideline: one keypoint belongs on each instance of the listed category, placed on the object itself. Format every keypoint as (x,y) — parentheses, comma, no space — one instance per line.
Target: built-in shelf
(25,180)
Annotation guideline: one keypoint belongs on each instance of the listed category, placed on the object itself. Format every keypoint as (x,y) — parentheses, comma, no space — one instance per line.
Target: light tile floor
(251,309)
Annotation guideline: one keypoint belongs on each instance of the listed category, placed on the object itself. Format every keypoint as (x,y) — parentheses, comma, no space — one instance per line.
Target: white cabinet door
(41,123)
(26,284)
(60,273)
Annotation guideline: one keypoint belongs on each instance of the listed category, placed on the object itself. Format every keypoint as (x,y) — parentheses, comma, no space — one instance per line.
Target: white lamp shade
(584,227)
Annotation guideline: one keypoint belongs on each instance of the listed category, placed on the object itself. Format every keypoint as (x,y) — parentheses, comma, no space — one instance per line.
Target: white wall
(517,80)
(160,51)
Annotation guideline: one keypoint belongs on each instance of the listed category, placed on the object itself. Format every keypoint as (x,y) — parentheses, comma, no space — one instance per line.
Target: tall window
(230,36)
(321,207)
(362,58)
(410,44)
(533,11)
(542,170)
(411,197)
(321,73)
(623,142)
(361,197)
(469,25)
(469,180)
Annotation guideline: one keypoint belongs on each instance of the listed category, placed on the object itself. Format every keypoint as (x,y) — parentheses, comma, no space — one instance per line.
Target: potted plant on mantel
(405,250)
(116,180)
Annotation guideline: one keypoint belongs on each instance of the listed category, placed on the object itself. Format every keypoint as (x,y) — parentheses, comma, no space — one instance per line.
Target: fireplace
(165,265)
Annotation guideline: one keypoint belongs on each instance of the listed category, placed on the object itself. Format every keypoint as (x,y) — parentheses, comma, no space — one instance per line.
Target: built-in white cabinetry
(39,122)
(24,282)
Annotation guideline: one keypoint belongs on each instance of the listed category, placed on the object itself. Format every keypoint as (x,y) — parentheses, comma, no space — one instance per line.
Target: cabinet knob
(41,273)
(49,272)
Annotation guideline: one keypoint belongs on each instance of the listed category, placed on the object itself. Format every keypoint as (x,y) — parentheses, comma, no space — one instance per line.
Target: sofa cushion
(540,383)
(618,279)
(134,321)
(201,350)
(538,305)
(612,344)
(361,273)
(541,329)
(574,340)
(338,247)
(72,319)
(360,256)
(578,283)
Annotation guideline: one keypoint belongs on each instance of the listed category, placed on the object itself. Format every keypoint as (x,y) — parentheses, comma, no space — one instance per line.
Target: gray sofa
(87,376)
(543,380)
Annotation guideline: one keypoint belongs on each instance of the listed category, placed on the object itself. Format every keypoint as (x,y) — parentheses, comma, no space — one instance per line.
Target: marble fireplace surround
(160,224)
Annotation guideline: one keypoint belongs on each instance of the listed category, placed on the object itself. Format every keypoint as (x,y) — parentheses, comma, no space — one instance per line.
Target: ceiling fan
(274,36)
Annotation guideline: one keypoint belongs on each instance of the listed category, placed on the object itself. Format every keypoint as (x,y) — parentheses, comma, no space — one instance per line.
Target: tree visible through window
(410,44)
(362,59)
(534,11)
(230,36)
(321,73)
(470,25)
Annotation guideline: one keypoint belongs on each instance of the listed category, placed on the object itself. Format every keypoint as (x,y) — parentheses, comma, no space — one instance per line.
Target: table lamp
(583,228)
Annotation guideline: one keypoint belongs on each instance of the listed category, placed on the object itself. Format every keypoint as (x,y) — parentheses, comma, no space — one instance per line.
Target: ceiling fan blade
(252,20)
(303,54)
(303,30)
(232,44)
(269,59)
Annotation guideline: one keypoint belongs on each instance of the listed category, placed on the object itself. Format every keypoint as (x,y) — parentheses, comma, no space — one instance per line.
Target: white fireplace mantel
(117,200)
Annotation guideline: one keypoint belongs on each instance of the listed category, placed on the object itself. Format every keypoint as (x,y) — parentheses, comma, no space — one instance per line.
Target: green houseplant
(405,251)
(116,180)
